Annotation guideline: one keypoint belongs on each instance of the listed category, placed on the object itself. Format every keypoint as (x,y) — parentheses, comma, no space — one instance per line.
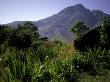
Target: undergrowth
(58,62)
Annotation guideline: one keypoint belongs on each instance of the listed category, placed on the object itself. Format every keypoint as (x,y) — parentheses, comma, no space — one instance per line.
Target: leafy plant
(79,29)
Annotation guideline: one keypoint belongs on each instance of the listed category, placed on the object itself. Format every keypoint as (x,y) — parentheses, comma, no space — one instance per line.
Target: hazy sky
(32,10)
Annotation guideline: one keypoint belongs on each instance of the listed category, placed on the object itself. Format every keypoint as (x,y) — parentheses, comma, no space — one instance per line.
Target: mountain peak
(79,6)
(73,9)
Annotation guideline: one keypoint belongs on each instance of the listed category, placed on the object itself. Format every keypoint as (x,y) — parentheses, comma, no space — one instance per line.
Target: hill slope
(58,25)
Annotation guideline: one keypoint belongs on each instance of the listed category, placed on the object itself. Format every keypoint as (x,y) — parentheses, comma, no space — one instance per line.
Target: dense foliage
(105,32)
(27,57)
(79,29)
(97,37)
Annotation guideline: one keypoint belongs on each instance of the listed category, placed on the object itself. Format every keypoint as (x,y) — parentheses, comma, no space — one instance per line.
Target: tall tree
(25,35)
(105,32)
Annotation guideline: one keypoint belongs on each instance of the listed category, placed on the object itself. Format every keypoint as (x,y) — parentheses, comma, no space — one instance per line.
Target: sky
(33,10)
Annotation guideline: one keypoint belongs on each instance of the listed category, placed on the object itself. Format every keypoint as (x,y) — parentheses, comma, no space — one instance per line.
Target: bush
(94,61)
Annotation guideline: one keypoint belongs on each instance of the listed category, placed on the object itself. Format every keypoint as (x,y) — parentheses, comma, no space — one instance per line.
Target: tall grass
(58,62)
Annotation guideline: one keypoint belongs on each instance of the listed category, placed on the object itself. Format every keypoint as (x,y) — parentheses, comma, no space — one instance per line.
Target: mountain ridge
(57,26)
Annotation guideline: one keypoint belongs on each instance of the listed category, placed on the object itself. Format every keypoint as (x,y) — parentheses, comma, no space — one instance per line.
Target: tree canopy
(25,35)
(79,29)
(22,37)
(105,31)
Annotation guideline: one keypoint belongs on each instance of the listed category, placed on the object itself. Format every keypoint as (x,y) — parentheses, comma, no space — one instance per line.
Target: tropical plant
(79,29)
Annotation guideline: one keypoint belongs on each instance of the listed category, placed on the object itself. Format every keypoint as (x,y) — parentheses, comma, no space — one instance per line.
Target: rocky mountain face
(58,26)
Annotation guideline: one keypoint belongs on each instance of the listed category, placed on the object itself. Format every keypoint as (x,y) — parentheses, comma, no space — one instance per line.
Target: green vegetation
(27,57)
(105,32)
(79,29)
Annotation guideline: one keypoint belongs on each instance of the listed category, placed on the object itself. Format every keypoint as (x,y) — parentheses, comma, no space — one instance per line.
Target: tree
(105,32)
(5,33)
(25,35)
(79,29)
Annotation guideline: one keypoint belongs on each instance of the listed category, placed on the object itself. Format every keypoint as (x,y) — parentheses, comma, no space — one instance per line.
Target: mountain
(58,25)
